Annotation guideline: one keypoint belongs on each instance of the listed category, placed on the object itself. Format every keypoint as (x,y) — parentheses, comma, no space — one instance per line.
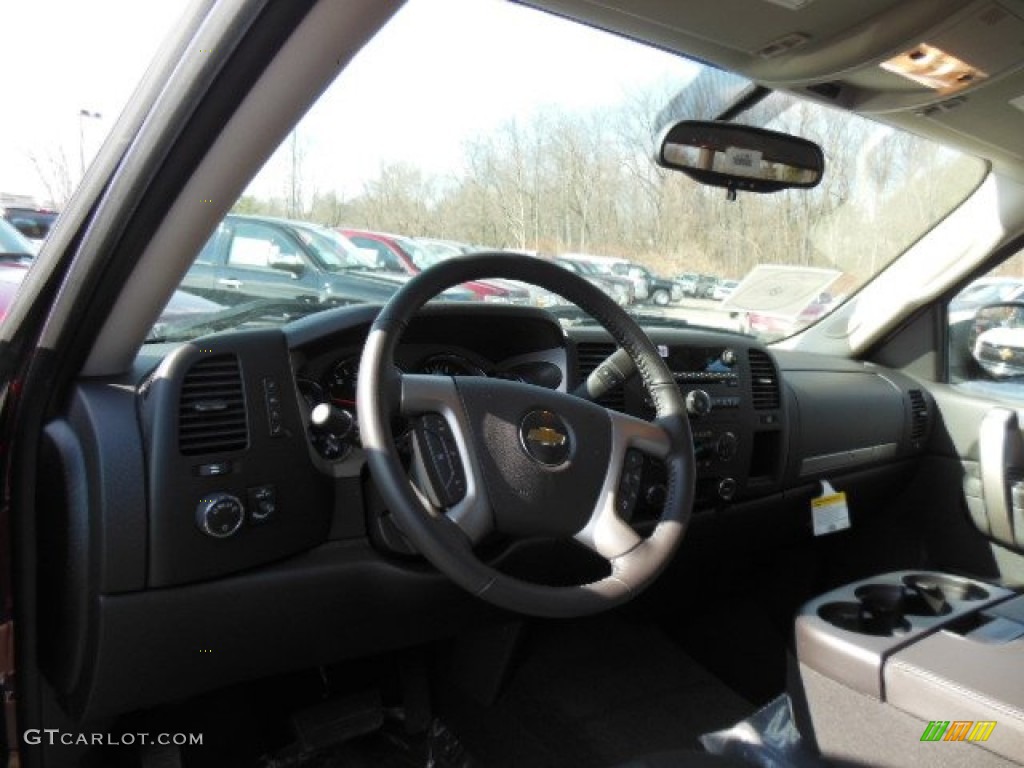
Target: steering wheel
(522,460)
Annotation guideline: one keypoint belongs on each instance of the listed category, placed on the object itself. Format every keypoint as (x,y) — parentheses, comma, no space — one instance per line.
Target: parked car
(619,290)
(183,307)
(771,327)
(15,248)
(1000,351)
(655,289)
(687,282)
(483,535)
(723,288)
(34,223)
(405,255)
(10,281)
(705,285)
(447,247)
(259,257)
(623,289)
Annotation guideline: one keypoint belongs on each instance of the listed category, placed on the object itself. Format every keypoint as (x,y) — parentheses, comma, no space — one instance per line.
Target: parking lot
(702,312)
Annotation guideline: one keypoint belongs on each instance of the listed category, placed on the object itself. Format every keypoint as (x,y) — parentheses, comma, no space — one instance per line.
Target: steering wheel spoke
(444,467)
(646,436)
(606,533)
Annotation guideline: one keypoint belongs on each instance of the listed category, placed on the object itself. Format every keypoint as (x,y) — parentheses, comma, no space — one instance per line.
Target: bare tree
(54,171)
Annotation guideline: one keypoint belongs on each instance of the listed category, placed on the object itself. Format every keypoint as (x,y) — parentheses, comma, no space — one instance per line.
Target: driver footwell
(591,692)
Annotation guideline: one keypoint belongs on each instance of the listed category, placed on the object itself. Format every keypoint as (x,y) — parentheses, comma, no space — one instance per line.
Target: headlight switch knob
(220,515)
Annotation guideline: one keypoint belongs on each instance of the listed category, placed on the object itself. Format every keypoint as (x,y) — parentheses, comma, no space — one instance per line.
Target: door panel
(982,438)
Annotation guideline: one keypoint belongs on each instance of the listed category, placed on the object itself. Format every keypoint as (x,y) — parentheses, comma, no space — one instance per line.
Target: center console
(914,668)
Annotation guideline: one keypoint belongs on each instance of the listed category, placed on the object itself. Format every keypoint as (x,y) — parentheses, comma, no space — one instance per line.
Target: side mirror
(997,339)
(740,157)
(292,264)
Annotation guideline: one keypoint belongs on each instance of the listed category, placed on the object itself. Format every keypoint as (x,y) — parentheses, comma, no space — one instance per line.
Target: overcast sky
(62,56)
(442,71)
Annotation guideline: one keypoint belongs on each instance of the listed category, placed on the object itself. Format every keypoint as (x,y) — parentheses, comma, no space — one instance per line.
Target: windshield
(551,154)
(422,255)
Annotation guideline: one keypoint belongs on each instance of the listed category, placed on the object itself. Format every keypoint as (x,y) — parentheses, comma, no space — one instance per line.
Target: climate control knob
(220,515)
(698,402)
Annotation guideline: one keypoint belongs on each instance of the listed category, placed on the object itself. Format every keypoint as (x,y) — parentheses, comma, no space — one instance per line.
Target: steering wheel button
(440,458)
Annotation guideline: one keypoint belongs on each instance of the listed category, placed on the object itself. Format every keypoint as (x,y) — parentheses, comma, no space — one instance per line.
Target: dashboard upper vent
(589,355)
(211,412)
(918,415)
(764,381)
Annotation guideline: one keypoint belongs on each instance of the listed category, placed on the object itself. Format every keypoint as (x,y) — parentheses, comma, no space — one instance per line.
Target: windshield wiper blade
(657,318)
(230,317)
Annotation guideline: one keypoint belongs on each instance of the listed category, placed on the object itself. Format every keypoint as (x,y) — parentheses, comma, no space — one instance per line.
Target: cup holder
(917,599)
(951,587)
(864,620)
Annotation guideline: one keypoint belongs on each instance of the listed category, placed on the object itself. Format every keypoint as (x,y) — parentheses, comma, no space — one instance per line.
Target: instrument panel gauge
(340,382)
(449,365)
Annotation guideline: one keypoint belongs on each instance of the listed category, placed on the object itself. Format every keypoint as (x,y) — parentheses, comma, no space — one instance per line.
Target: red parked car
(773,327)
(397,253)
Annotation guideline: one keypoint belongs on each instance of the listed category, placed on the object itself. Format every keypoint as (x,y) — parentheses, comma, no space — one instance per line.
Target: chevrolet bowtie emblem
(1005,353)
(546,436)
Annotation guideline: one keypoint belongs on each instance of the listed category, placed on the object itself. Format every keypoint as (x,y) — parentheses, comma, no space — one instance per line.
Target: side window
(209,253)
(986,331)
(257,245)
(29,228)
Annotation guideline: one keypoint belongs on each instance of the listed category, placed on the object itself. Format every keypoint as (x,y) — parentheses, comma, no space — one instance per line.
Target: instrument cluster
(330,393)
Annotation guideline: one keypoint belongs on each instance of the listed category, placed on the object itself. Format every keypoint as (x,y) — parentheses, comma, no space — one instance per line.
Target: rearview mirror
(740,157)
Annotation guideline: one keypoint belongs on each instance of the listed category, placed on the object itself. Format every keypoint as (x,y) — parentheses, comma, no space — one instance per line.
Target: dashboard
(220,489)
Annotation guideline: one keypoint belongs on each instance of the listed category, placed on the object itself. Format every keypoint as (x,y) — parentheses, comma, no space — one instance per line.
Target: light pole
(83,115)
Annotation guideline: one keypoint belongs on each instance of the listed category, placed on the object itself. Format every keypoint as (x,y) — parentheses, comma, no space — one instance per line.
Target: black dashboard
(200,500)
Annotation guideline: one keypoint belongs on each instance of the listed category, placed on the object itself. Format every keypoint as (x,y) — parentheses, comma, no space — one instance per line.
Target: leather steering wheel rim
(447,540)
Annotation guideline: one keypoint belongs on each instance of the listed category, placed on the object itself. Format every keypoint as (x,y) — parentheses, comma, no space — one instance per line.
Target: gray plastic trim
(856,659)
(828,462)
(606,533)
(999,445)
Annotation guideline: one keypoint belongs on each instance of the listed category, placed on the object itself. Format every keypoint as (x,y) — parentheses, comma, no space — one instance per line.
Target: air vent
(764,381)
(918,415)
(591,354)
(211,413)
